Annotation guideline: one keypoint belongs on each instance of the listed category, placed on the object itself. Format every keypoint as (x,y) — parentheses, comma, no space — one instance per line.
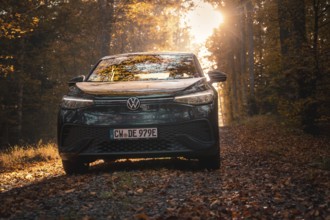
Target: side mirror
(217,76)
(76,79)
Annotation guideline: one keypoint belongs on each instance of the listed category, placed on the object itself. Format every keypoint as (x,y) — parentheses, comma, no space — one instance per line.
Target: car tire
(74,167)
(210,162)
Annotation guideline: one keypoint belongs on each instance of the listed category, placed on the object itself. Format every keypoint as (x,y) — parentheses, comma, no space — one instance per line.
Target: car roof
(147,53)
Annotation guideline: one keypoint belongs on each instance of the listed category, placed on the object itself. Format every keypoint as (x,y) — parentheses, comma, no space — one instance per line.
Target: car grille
(96,139)
(138,146)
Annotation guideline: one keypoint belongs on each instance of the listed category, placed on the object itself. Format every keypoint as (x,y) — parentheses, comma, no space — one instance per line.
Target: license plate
(133,133)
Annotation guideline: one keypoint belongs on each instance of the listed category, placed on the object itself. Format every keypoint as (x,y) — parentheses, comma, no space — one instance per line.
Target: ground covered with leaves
(267,172)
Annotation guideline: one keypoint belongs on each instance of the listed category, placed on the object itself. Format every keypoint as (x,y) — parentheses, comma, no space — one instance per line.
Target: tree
(300,65)
(45,43)
(233,49)
(289,59)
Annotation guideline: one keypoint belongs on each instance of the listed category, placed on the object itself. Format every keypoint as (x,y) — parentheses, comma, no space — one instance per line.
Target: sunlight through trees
(277,62)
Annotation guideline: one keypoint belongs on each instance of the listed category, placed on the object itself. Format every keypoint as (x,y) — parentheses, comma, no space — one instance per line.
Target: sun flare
(202,20)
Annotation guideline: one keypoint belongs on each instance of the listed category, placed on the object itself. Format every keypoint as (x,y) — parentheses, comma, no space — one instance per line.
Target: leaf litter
(266,173)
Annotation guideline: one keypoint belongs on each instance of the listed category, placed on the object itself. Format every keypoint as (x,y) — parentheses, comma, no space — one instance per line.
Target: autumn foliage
(276,56)
(46,43)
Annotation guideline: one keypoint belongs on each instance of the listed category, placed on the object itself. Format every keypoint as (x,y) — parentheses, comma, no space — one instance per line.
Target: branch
(322,13)
(324,24)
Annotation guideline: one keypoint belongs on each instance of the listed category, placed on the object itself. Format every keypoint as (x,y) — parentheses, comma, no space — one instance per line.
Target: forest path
(253,182)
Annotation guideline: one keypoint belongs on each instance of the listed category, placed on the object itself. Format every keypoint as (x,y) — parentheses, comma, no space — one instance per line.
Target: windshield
(145,67)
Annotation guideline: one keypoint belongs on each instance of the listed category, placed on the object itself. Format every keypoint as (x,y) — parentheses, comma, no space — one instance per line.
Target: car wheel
(74,166)
(211,162)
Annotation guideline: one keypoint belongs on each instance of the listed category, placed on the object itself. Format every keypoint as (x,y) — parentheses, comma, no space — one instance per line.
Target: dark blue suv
(140,105)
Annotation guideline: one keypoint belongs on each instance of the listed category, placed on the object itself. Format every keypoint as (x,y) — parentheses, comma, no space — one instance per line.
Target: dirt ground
(259,179)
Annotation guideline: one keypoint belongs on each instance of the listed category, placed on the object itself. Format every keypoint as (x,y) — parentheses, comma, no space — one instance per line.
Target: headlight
(73,103)
(199,98)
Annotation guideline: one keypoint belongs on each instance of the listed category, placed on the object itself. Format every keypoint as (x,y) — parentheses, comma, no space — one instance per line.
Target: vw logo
(133,103)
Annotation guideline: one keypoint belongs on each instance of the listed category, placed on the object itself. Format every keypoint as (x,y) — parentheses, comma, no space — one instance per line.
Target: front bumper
(183,130)
(191,139)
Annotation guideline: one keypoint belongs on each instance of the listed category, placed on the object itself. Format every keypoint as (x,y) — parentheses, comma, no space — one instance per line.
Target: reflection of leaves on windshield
(145,59)
(145,67)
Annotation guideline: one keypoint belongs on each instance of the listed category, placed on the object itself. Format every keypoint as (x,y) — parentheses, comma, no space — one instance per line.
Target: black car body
(140,105)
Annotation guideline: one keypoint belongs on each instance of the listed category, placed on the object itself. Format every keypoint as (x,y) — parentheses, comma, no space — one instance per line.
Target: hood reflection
(137,87)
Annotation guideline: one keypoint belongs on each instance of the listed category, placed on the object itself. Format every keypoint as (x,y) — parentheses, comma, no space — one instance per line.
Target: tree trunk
(20,108)
(243,78)
(252,103)
(299,79)
(283,18)
(234,99)
(292,25)
(316,8)
(106,8)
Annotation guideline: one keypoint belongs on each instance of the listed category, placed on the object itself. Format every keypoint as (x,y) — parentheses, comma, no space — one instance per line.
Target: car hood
(138,87)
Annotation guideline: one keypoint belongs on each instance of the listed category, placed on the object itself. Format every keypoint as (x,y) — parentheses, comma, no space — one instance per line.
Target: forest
(275,108)
(276,55)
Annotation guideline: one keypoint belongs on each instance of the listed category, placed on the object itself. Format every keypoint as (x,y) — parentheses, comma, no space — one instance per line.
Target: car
(140,105)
